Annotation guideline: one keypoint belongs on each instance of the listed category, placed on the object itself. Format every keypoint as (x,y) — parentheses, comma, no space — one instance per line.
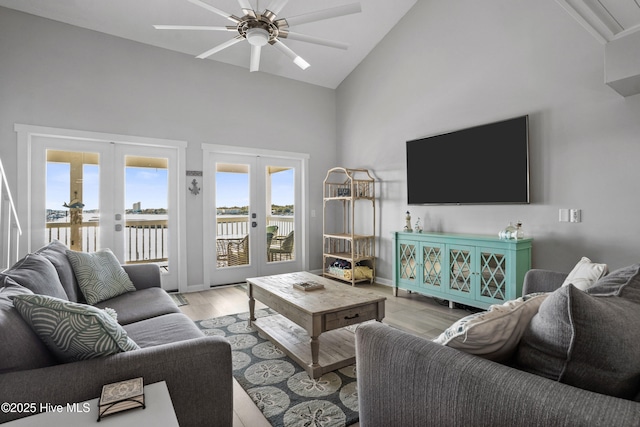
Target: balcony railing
(147,240)
(238,225)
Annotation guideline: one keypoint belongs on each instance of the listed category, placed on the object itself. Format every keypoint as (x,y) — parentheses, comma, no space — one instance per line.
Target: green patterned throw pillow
(100,275)
(73,331)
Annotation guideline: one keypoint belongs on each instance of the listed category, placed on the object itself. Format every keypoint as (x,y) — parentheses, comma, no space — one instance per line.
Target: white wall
(453,64)
(53,74)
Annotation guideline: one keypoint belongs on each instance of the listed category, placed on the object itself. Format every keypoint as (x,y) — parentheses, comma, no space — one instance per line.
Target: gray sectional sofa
(197,369)
(404,380)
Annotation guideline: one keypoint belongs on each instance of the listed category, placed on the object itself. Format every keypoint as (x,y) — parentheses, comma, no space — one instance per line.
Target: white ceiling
(133,20)
(606,20)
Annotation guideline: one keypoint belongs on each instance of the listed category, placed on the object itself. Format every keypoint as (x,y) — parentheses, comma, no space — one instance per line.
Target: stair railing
(10,230)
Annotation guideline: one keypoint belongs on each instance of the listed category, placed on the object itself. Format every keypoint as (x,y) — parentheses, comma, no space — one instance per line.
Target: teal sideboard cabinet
(474,270)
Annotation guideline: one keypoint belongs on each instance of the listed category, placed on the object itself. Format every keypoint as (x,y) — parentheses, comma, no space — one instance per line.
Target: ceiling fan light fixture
(257,36)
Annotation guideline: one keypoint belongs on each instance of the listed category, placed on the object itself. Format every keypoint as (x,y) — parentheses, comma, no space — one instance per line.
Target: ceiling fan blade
(246,8)
(220,47)
(255,58)
(320,15)
(291,54)
(193,27)
(311,39)
(215,10)
(276,6)
(244,4)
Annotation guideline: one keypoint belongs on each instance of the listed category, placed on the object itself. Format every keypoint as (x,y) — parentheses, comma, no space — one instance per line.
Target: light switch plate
(563,215)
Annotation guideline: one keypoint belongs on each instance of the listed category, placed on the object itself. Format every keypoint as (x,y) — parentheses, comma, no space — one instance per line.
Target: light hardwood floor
(417,314)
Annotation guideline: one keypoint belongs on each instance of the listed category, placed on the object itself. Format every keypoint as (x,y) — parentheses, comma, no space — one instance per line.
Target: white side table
(159,412)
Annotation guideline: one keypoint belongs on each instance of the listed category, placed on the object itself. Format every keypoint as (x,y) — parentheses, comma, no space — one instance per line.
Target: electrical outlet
(575,215)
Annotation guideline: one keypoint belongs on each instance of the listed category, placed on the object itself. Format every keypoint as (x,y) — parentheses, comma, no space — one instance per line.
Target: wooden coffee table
(305,315)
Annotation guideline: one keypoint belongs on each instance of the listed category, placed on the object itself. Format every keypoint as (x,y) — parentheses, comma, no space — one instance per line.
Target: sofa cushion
(165,329)
(493,334)
(56,253)
(37,274)
(20,347)
(585,274)
(586,341)
(141,304)
(73,331)
(100,275)
(624,283)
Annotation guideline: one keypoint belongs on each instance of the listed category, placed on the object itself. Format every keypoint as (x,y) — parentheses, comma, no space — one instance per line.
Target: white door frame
(25,137)
(207,178)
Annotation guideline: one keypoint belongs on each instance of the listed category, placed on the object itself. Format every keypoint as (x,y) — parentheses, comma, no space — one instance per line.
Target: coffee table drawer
(351,316)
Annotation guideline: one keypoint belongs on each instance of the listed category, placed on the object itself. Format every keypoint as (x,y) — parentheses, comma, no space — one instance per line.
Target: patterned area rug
(280,388)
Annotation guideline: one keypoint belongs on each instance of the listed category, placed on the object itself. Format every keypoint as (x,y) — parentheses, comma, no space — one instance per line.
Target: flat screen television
(487,164)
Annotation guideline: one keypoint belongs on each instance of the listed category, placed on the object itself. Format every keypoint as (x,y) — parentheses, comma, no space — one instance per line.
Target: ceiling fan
(264,28)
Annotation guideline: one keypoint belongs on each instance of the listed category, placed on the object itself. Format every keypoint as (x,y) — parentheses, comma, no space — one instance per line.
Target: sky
(149,186)
(232,189)
(145,185)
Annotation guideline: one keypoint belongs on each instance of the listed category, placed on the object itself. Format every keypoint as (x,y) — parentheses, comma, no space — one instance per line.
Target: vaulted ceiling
(134,20)
(614,23)
(606,20)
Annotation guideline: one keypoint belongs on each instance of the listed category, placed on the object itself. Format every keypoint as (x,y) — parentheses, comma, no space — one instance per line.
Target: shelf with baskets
(349,242)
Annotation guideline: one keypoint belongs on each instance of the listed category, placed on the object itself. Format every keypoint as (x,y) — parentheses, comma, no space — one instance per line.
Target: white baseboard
(382,281)
(196,288)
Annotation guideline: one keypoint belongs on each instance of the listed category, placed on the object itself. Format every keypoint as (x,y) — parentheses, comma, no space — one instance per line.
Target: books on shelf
(121,396)
(308,286)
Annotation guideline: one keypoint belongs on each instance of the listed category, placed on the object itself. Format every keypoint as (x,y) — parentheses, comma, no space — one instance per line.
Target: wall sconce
(194,189)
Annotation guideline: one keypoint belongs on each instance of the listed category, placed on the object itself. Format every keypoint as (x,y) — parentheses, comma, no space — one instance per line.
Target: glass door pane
(72,202)
(96,194)
(280,192)
(232,205)
(146,234)
(257,222)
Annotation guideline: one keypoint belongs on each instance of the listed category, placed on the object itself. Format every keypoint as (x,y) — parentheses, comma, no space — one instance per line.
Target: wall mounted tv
(487,164)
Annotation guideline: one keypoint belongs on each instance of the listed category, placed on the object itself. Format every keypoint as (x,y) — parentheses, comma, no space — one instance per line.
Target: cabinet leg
(395,291)
(452,304)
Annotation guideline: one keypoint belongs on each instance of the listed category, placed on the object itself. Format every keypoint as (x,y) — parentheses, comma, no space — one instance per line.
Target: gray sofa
(197,369)
(404,380)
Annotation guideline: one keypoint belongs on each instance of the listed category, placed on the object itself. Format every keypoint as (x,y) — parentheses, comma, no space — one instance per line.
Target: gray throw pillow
(585,341)
(624,283)
(56,253)
(73,331)
(100,275)
(20,347)
(37,274)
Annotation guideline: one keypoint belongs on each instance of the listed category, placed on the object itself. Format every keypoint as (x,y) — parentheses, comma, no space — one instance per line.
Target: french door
(253,216)
(92,194)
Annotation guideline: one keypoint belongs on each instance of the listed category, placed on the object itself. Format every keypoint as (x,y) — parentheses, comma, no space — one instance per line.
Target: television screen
(486,164)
